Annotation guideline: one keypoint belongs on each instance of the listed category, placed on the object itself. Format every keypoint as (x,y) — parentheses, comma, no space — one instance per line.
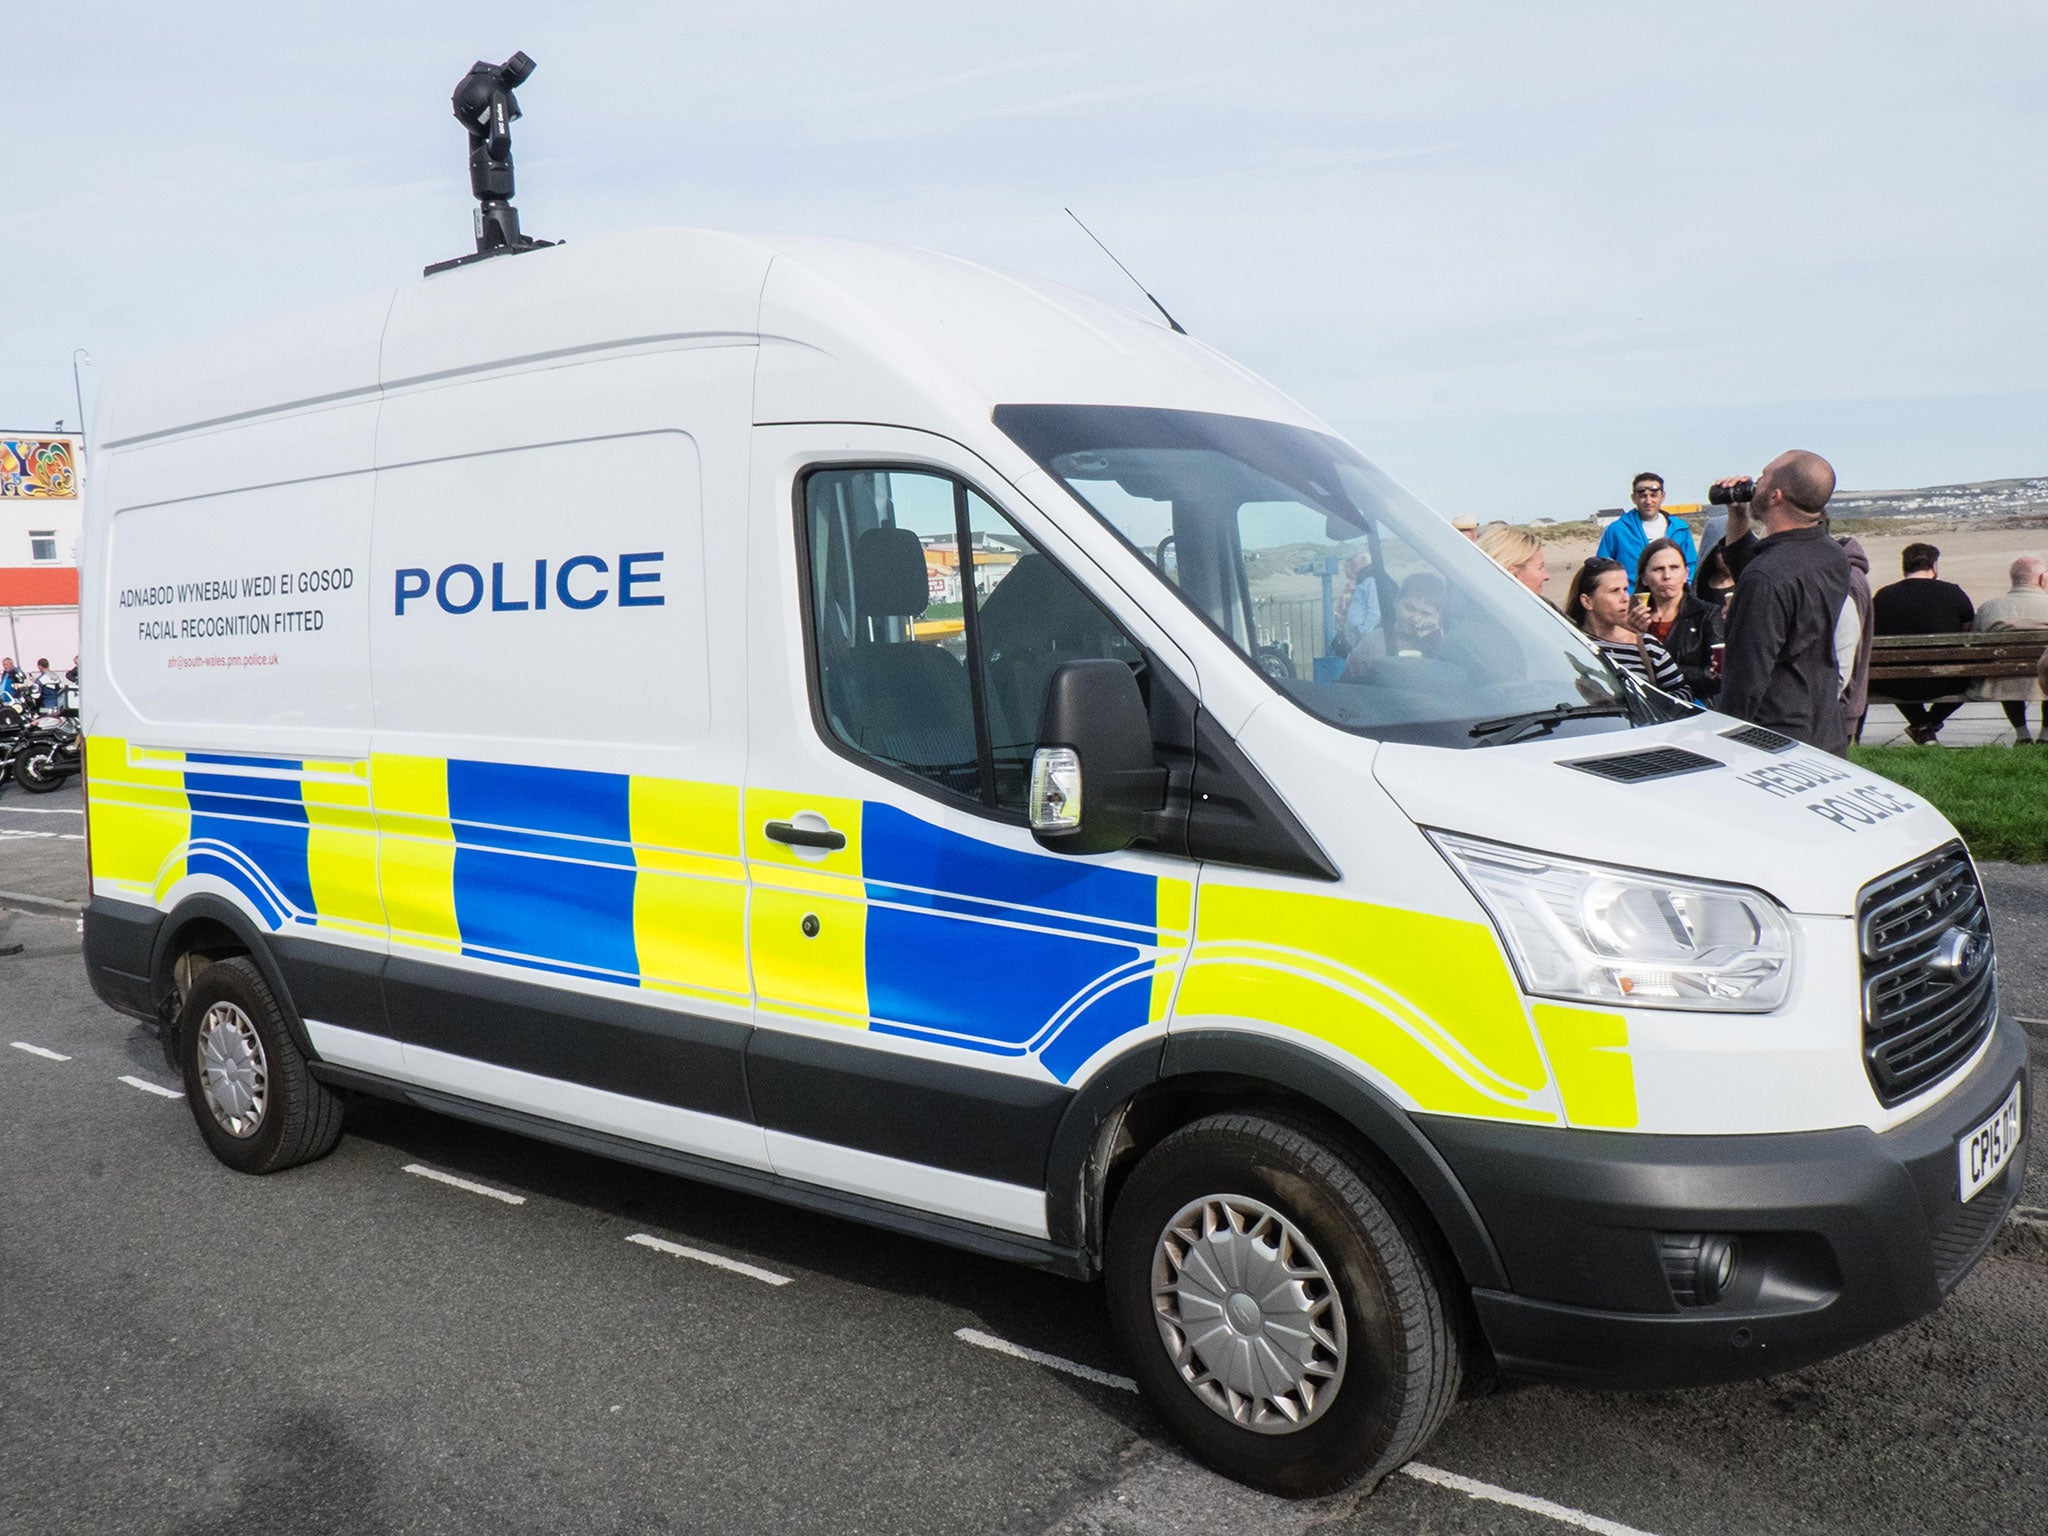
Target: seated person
(1417,629)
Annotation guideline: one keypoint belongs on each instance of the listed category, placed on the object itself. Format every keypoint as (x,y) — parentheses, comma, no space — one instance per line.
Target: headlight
(1593,933)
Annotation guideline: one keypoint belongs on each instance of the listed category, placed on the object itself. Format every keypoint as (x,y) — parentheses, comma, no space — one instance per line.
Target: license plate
(1982,1155)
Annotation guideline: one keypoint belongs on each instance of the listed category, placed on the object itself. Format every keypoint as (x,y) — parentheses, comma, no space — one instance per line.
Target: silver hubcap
(233,1072)
(1248,1313)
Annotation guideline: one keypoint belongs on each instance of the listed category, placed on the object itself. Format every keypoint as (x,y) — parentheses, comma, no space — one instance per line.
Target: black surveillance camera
(514,71)
(487,109)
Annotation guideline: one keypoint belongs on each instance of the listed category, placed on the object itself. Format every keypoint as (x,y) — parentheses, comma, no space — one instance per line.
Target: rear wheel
(258,1107)
(1278,1307)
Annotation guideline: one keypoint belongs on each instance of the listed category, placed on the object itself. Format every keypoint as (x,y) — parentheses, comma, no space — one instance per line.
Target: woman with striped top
(1598,602)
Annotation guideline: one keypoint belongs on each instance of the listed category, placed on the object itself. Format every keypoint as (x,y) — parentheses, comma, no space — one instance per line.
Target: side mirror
(1094,784)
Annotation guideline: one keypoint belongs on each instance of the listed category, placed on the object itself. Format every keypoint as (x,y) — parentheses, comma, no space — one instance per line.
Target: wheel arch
(210,928)
(1141,1097)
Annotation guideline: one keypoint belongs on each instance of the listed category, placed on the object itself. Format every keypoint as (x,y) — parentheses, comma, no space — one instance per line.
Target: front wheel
(40,772)
(258,1107)
(1278,1308)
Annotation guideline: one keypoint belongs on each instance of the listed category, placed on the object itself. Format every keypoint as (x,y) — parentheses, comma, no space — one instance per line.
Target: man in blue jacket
(1628,533)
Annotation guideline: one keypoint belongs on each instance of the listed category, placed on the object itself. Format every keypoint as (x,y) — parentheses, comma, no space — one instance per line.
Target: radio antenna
(1127,272)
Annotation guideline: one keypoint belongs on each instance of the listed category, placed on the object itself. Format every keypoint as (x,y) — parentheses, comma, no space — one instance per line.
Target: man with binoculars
(1781,669)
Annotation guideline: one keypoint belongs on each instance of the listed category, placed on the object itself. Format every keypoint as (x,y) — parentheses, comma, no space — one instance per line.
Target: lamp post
(77,393)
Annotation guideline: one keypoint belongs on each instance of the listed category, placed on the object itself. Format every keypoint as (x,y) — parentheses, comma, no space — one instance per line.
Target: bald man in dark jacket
(1780,670)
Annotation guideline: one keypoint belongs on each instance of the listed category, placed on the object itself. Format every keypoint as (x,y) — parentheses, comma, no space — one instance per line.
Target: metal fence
(1293,627)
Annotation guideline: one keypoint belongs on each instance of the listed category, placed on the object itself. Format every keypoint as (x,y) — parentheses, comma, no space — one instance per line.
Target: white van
(852,725)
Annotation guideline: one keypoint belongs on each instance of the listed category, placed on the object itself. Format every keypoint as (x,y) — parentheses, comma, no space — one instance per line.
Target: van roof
(849,331)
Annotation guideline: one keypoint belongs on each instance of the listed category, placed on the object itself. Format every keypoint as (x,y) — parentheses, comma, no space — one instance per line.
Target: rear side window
(936,625)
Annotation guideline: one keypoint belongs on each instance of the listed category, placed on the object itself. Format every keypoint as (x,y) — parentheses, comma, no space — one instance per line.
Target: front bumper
(1845,1235)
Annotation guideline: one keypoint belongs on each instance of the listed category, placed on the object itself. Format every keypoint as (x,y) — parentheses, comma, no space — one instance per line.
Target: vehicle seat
(1034,621)
(904,701)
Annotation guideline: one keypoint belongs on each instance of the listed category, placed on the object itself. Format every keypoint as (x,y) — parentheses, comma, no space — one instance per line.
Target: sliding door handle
(804,837)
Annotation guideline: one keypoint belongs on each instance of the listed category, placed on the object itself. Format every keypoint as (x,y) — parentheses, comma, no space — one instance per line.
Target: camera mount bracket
(486,108)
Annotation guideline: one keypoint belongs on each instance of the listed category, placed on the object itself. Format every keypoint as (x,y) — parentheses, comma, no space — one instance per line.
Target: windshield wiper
(1542,722)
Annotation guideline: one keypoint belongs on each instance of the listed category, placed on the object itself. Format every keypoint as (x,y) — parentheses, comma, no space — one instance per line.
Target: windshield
(1348,593)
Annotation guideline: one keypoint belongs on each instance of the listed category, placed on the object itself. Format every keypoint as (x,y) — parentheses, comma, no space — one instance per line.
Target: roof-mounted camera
(487,109)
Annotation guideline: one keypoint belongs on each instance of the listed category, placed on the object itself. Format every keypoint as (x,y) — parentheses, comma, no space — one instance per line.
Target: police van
(1047,794)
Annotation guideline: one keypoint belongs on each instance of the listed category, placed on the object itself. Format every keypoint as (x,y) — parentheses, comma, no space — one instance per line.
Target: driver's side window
(936,625)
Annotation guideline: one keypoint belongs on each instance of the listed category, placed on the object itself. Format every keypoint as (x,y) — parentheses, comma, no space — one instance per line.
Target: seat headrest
(888,574)
(1038,599)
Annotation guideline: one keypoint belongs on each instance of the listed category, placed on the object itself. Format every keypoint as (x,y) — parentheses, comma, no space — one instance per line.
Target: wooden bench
(1959,659)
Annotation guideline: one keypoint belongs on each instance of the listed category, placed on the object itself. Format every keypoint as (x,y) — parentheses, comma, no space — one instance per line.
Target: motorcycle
(49,747)
(11,741)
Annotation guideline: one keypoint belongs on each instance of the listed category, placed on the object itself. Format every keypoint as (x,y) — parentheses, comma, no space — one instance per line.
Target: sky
(1514,252)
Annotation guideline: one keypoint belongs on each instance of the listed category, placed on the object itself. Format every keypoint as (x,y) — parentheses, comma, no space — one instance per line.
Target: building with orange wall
(40,477)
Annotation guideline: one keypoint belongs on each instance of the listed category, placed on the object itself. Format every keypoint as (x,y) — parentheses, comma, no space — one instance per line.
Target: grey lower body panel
(1844,1235)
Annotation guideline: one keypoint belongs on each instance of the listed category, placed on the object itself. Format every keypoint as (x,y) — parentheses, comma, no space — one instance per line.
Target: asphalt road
(42,842)
(351,1347)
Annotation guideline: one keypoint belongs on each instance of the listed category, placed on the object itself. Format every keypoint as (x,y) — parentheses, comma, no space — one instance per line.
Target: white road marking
(1471,1487)
(156,1088)
(40,810)
(62,837)
(37,1050)
(717,1261)
(982,1340)
(474,1188)
(1161,1493)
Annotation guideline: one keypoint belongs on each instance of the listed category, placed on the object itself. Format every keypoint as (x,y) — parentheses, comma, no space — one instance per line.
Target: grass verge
(1996,796)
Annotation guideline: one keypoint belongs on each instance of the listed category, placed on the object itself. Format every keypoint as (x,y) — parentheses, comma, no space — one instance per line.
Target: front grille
(1634,767)
(1930,985)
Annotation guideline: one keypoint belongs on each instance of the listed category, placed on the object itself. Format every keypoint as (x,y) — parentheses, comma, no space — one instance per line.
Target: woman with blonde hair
(1517,551)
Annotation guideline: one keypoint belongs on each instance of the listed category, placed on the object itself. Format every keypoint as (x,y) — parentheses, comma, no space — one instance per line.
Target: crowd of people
(41,688)
(1770,617)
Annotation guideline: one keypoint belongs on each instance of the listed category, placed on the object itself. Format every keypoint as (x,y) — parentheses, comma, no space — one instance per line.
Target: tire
(39,772)
(1275,663)
(1385,1365)
(258,1107)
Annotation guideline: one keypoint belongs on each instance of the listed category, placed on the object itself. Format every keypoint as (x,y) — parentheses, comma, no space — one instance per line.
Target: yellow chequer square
(341,851)
(140,818)
(820,976)
(415,850)
(690,894)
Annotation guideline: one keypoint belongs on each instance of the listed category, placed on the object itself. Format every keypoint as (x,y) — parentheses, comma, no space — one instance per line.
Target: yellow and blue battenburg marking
(639,882)
(549,869)
(910,930)
(981,946)
(250,829)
